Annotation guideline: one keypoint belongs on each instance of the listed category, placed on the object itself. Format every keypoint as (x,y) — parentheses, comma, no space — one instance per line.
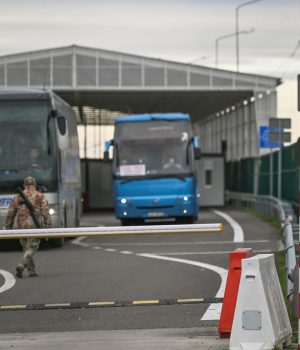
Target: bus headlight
(123,200)
(185,198)
(51,211)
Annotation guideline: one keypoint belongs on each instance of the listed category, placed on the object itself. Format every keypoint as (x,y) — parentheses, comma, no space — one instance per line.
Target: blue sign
(264,141)
(5,202)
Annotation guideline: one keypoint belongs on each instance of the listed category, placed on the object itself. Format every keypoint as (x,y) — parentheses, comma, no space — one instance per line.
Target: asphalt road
(128,268)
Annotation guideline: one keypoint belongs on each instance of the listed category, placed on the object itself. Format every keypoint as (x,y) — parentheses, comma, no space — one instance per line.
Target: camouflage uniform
(19,209)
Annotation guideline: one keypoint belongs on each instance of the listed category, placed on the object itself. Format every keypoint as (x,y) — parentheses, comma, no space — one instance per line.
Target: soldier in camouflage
(19,209)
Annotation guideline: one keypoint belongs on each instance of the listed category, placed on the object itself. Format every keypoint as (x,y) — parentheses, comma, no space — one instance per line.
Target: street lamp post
(237,29)
(224,37)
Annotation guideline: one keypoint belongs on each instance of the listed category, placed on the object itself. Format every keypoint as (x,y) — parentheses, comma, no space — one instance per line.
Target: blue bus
(154,169)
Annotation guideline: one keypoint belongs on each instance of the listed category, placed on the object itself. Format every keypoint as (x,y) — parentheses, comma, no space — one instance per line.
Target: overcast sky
(179,30)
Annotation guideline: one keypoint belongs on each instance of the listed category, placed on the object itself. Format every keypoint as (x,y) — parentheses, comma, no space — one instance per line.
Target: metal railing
(290,258)
(283,211)
(268,205)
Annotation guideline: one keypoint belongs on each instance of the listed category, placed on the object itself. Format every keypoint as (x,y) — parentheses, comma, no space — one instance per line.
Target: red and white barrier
(260,320)
(231,290)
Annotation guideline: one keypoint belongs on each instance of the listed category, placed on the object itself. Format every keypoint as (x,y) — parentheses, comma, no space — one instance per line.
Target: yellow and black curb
(105,304)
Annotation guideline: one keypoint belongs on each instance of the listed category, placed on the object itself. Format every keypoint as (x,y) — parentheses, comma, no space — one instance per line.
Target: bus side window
(208,178)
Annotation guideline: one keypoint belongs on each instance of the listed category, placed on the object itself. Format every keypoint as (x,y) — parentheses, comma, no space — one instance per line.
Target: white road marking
(97,248)
(57,305)
(214,310)
(125,252)
(238,233)
(257,251)
(192,253)
(181,243)
(9,281)
(77,241)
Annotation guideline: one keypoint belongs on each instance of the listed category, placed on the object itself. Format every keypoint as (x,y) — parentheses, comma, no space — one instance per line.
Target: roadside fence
(283,211)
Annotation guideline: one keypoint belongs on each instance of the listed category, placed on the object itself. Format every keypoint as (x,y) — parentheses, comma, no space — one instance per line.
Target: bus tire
(186,220)
(190,220)
(128,222)
(56,242)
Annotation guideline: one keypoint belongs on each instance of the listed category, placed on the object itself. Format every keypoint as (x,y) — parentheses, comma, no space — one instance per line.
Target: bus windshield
(152,148)
(26,144)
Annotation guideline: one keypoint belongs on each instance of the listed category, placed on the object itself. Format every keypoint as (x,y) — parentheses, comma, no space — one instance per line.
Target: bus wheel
(125,222)
(56,242)
(186,220)
(128,222)
(190,220)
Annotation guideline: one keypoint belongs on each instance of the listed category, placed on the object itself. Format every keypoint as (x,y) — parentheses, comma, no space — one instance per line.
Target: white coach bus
(38,137)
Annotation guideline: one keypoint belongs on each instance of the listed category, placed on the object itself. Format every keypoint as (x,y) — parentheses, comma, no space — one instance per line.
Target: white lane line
(9,281)
(256,251)
(237,229)
(214,310)
(110,250)
(77,241)
(125,252)
(182,243)
(192,253)
(96,247)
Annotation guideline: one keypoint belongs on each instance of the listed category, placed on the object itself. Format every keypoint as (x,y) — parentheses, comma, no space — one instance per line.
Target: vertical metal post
(298,296)
(216,53)
(237,30)
(85,141)
(271,172)
(279,178)
(83,120)
(256,176)
(237,38)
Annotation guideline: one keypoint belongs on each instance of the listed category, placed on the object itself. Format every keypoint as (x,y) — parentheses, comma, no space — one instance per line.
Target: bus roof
(24,94)
(155,116)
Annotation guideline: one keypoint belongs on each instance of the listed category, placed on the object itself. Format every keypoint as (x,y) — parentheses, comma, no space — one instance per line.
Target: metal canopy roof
(198,104)
(96,81)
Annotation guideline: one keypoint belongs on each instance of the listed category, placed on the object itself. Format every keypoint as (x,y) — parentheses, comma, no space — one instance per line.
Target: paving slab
(149,339)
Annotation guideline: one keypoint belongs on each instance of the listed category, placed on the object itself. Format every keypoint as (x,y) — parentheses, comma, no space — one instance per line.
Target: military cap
(29,181)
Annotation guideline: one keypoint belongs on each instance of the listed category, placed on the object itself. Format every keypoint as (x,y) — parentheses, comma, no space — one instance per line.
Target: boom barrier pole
(110,231)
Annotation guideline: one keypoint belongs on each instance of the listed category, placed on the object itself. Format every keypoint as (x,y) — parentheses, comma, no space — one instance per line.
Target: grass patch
(275,223)
(280,267)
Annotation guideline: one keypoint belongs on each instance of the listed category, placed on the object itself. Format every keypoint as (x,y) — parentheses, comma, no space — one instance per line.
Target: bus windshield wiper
(156,176)
(180,177)
(132,179)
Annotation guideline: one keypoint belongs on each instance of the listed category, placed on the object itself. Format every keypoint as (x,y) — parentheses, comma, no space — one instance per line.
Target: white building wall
(239,126)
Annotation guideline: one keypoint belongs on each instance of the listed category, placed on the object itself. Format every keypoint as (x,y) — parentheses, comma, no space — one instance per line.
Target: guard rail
(283,211)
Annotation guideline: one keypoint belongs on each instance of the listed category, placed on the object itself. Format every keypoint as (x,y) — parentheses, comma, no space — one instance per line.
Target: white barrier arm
(110,231)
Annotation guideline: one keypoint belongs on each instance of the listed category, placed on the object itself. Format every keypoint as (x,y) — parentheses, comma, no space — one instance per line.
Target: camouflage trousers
(30,247)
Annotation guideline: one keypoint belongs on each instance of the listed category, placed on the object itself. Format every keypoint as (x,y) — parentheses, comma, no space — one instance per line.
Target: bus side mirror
(62,124)
(61,121)
(198,153)
(61,129)
(106,156)
(108,144)
(197,150)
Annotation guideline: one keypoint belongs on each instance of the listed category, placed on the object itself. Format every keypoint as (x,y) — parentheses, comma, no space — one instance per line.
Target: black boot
(19,272)
(32,274)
